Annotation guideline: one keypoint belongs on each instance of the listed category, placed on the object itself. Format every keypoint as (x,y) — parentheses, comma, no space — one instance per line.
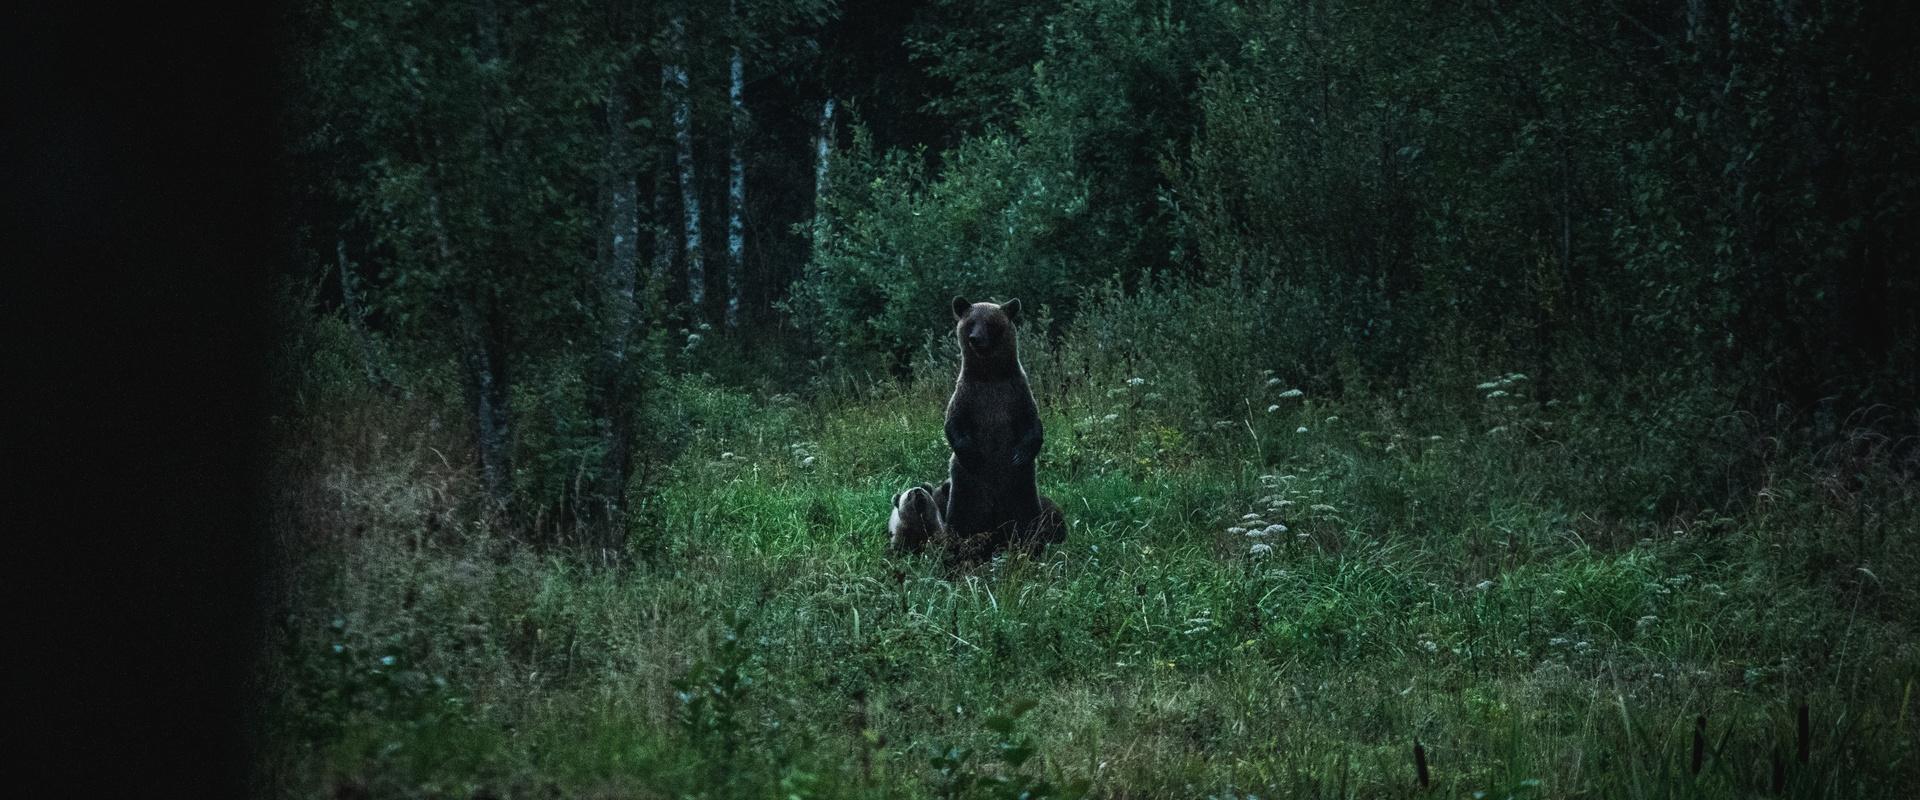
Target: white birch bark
(822,160)
(623,231)
(603,509)
(689,185)
(736,188)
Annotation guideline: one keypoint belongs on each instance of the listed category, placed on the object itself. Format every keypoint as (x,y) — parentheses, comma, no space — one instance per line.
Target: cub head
(915,519)
(985,329)
(916,504)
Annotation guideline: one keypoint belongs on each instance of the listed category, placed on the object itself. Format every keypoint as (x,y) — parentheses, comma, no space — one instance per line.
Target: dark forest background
(1678,210)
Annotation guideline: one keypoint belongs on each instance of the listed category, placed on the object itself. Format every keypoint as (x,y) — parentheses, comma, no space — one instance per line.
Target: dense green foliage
(1521,379)
(1448,574)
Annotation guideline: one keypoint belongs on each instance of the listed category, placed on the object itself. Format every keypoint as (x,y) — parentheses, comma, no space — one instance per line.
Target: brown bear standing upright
(994,429)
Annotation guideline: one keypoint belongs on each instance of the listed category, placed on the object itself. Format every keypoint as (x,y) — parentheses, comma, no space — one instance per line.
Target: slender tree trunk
(619,272)
(676,79)
(357,318)
(483,363)
(822,158)
(736,188)
(659,277)
(483,355)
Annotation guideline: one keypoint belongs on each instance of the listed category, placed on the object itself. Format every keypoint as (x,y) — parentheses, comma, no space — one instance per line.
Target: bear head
(986,329)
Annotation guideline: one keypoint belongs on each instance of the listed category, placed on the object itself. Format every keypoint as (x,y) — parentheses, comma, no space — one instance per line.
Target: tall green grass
(1500,580)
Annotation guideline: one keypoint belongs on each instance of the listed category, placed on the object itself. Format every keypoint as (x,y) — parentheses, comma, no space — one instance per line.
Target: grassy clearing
(1483,585)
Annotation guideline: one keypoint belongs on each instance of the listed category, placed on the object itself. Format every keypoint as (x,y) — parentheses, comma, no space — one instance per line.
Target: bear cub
(916,520)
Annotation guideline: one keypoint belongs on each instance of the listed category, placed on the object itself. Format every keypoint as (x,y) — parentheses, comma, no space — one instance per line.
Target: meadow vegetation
(1514,398)
(1263,593)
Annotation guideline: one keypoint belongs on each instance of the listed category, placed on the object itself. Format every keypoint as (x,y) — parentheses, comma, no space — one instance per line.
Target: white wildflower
(1272,408)
(1331,420)
(1109,417)
(1273,381)
(806,462)
(1256,532)
(1301,429)
(1136,381)
(1496,393)
(1250,516)
(1483,585)
(1558,641)
(1259,549)
(1429,646)
(1488,385)
(1236,530)
(1582,646)
(1292,393)
(1274,528)
(726,456)
(1646,622)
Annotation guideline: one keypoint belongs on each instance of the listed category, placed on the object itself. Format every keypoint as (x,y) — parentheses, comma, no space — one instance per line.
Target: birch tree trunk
(822,158)
(619,273)
(660,275)
(680,97)
(736,188)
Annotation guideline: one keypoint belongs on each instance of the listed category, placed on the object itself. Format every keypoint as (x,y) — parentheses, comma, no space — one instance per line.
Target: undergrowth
(1277,601)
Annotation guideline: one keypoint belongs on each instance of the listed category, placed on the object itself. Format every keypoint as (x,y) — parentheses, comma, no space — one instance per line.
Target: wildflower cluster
(803,453)
(694,338)
(1508,406)
(1262,529)
(1275,384)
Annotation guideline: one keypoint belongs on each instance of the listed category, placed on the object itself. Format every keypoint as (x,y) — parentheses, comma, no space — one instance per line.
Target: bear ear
(961,307)
(1012,307)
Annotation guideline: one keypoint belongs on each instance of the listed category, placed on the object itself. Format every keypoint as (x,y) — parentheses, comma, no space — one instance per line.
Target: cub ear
(961,307)
(1012,307)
